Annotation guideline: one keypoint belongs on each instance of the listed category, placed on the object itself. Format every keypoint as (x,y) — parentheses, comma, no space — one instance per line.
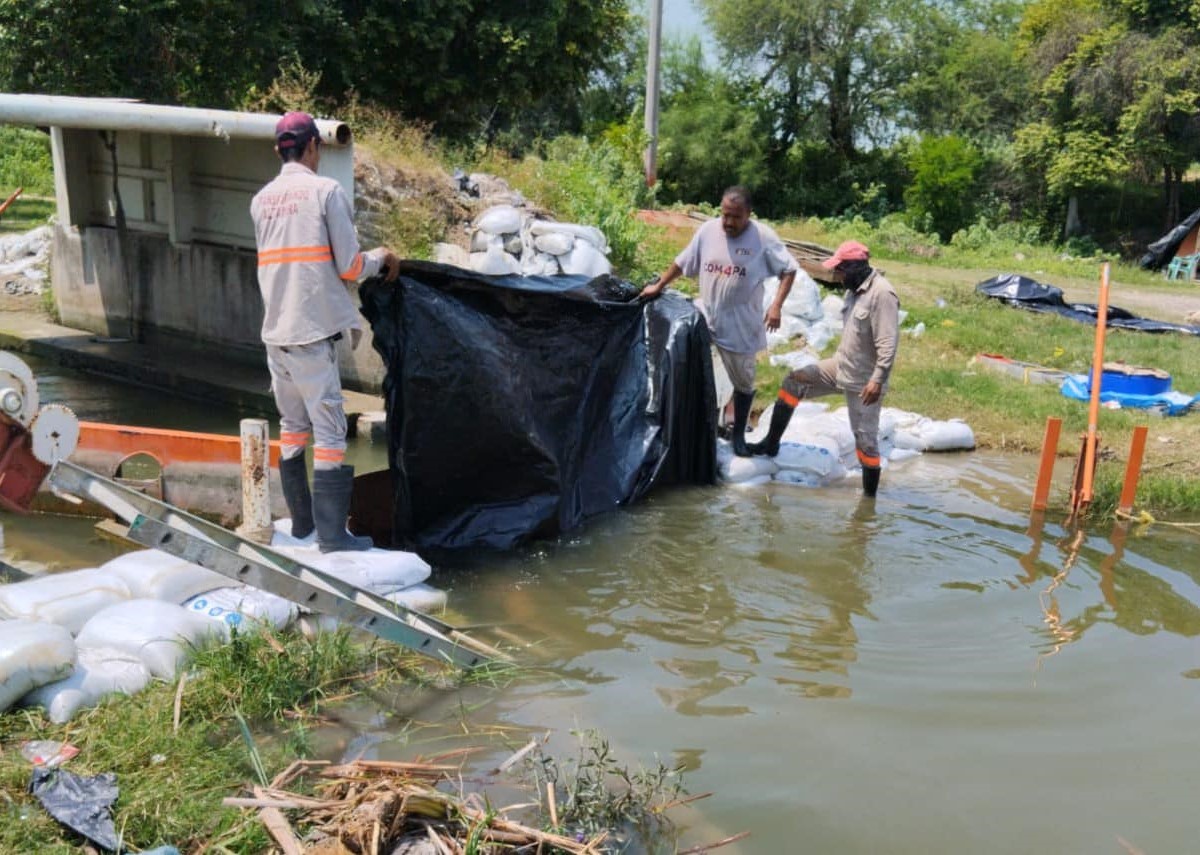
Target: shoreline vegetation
(191,760)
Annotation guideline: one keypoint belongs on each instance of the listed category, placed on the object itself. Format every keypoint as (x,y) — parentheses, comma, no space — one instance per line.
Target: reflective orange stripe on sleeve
(355,270)
(290,254)
(789,399)
(293,438)
(329,455)
(866,459)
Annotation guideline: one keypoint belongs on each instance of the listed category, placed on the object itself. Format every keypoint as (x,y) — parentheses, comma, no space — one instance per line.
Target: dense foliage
(1079,119)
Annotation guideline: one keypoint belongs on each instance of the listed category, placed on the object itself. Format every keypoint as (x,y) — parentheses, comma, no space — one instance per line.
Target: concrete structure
(154,240)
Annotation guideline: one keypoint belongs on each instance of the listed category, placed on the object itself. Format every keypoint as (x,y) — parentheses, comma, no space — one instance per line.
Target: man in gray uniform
(307,255)
(861,366)
(731,257)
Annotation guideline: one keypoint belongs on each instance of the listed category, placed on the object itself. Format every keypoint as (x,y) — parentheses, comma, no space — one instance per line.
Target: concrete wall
(191,272)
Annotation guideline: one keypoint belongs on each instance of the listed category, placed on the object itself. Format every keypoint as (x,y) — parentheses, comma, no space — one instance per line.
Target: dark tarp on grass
(1026,293)
(517,407)
(1163,250)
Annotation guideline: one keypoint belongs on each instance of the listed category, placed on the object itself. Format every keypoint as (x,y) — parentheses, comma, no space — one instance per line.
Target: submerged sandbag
(32,654)
(67,599)
(161,635)
(99,672)
(156,575)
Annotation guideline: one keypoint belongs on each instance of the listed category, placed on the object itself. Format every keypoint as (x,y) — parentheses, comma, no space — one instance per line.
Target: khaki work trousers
(815,381)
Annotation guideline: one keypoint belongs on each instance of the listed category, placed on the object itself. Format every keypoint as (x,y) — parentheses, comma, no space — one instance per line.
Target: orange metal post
(1133,469)
(1087,458)
(1041,492)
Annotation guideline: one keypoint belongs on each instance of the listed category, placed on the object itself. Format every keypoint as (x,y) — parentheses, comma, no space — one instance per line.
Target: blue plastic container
(1125,383)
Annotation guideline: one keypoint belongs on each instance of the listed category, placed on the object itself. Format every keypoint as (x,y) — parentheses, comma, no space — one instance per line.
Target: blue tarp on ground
(1078,387)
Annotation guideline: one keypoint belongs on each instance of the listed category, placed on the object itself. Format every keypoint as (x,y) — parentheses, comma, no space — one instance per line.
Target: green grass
(172,782)
(25,214)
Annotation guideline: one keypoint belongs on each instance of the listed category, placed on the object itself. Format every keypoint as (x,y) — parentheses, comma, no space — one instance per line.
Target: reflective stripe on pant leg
(294,424)
(864,422)
(315,372)
(811,381)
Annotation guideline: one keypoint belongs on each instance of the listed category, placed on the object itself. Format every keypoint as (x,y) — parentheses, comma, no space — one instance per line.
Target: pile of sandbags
(507,241)
(817,449)
(69,639)
(23,260)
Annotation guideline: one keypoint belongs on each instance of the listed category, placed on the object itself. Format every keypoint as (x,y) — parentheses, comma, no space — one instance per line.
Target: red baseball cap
(850,250)
(295,129)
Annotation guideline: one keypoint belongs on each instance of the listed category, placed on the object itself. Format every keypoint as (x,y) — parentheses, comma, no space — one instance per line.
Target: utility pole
(652,58)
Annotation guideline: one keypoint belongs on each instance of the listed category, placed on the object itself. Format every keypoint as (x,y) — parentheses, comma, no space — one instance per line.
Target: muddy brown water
(929,674)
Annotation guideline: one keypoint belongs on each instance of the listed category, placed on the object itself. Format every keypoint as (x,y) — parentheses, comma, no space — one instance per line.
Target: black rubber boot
(293,474)
(781,414)
(870,478)
(741,415)
(331,505)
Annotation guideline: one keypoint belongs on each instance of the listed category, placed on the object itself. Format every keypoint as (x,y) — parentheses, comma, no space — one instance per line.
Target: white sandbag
(539,264)
(419,598)
(591,234)
(67,599)
(283,535)
(161,635)
(499,220)
(480,241)
(737,469)
(554,243)
(789,328)
(380,571)
(99,671)
(242,608)
(584,260)
(756,481)
(821,333)
(152,574)
(899,455)
(952,435)
(800,478)
(795,360)
(803,301)
(32,654)
(814,459)
(832,307)
(495,262)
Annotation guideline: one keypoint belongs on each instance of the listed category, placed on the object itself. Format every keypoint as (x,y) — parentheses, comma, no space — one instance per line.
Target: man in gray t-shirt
(730,258)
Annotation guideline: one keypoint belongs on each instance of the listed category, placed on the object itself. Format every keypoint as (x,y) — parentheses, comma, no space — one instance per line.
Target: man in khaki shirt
(861,366)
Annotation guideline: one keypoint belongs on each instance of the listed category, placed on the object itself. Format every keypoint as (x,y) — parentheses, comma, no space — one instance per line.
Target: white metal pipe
(256,481)
(110,114)
(652,84)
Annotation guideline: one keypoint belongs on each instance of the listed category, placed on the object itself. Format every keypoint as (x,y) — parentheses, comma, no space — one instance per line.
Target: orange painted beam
(1133,469)
(1041,493)
(169,446)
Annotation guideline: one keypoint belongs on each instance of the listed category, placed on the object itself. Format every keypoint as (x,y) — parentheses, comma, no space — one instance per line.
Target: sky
(681,18)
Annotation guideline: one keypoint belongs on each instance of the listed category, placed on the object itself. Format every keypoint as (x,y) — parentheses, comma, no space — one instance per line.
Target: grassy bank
(172,778)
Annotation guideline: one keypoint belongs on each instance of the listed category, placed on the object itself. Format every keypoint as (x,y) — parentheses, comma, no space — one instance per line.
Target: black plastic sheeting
(1163,250)
(518,407)
(83,804)
(1025,293)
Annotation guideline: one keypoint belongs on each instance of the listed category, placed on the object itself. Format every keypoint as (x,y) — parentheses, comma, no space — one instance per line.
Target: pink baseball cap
(850,250)
(295,129)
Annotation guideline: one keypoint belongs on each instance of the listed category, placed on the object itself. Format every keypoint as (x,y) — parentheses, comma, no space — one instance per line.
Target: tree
(711,133)
(943,191)
(464,66)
